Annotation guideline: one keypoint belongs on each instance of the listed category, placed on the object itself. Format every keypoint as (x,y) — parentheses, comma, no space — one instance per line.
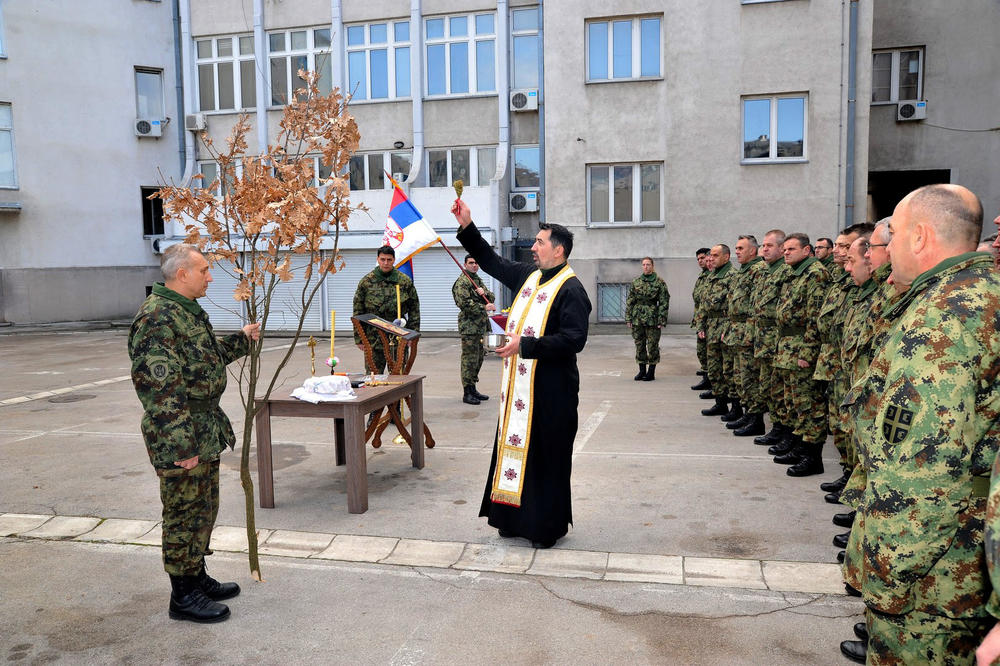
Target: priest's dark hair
(559,235)
(387,249)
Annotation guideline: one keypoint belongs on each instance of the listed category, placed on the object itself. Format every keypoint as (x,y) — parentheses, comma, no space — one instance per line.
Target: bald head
(954,212)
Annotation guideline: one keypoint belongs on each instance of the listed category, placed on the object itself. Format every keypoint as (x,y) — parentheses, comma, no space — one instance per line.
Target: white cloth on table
(325,389)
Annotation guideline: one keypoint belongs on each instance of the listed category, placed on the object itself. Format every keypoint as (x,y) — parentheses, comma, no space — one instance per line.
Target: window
(152,212)
(623,49)
(446,165)
(367,170)
(149,94)
(527,167)
(3,48)
(611,300)
(378,60)
(524,48)
(461,54)
(226,73)
(774,129)
(293,50)
(624,193)
(897,76)
(8,165)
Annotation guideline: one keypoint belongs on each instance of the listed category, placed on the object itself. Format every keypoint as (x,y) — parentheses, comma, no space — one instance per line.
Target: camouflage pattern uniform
(697,320)
(376,294)
(798,306)
(828,367)
(740,336)
(764,302)
(646,310)
(928,415)
(473,323)
(715,323)
(179,374)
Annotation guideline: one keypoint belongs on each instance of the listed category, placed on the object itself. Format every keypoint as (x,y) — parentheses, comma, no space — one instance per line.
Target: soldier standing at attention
(825,253)
(926,412)
(763,304)
(179,374)
(377,294)
(714,323)
(697,294)
(739,338)
(474,301)
(646,314)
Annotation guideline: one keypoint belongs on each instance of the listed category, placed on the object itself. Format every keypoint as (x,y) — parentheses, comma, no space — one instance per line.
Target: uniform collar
(776,264)
(722,270)
(750,263)
(162,290)
(803,265)
(927,279)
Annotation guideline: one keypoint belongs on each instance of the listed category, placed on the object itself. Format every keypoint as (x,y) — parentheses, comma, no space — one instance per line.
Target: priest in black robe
(545,510)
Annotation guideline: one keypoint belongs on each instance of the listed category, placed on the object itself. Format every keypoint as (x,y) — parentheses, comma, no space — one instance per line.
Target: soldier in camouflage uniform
(474,302)
(715,321)
(376,294)
(646,311)
(798,346)
(825,253)
(697,294)
(928,414)
(179,374)
(764,301)
(739,338)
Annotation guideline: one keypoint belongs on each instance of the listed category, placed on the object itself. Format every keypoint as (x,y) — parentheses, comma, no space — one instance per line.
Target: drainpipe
(186,73)
(179,85)
(852,81)
(260,57)
(416,88)
(337,45)
(541,112)
(503,114)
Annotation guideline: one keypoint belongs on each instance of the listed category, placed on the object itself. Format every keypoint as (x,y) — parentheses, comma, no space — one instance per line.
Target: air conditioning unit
(524,100)
(149,128)
(911,111)
(195,122)
(523,202)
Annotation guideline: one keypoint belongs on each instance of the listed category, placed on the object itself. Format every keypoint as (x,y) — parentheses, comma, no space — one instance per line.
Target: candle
(333,329)
(398,313)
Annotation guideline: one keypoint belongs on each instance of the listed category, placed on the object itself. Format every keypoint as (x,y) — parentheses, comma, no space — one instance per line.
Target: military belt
(197,406)
(980,486)
(791,330)
(738,317)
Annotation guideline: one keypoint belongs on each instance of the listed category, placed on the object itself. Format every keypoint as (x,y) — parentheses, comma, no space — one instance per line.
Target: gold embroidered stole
(528,316)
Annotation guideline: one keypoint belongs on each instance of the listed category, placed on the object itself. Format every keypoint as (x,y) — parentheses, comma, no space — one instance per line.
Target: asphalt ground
(730,560)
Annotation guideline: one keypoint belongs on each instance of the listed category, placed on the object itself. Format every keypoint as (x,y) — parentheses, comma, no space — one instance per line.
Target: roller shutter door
(225,313)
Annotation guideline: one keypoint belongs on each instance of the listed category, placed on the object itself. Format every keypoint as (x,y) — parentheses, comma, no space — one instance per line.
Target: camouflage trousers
(190,501)
(853,565)
(921,638)
(838,428)
(773,391)
(714,366)
(647,344)
(746,376)
(805,404)
(702,351)
(472,359)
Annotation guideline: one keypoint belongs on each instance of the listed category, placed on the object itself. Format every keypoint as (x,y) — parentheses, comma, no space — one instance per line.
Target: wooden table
(349,429)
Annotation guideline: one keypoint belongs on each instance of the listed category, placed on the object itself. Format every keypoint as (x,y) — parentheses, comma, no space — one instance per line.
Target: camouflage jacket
(798,306)
(472,315)
(179,374)
(764,302)
(715,321)
(740,334)
(376,294)
(830,324)
(698,295)
(928,414)
(648,301)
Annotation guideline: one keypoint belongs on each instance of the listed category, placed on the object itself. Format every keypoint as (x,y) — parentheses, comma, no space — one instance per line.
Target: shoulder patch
(896,423)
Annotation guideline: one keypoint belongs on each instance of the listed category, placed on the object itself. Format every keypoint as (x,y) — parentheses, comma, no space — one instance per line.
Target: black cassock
(545,511)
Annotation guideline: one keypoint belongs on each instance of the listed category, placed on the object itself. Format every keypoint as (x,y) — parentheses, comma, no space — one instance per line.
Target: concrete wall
(961,86)
(69,75)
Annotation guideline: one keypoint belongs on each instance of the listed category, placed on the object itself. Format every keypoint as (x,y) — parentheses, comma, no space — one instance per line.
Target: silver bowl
(492,341)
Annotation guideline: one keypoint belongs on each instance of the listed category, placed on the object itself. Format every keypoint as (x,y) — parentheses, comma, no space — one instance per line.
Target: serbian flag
(406,230)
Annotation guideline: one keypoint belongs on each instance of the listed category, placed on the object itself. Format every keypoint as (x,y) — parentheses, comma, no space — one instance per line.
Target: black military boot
(795,452)
(215,590)
(773,435)
(810,462)
(735,412)
(707,395)
(468,398)
(754,426)
(188,602)
(642,373)
(861,631)
(856,651)
(703,385)
(479,396)
(650,373)
(840,540)
(785,444)
(701,373)
(740,422)
(844,519)
(832,498)
(838,485)
(720,408)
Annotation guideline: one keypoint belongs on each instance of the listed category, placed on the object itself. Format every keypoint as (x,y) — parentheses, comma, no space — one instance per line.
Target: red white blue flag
(406,230)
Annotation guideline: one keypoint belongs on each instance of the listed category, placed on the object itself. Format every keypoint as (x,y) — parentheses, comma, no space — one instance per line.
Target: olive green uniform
(646,309)
(715,322)
(739,337)
(697,318)
(830,324)
(473,323)
(764,303)
(376,294)
(179,374)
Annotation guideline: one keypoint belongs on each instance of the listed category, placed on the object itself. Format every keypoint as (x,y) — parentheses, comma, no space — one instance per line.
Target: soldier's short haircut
(559,236)
(778,234)
(725,248)
(956,219)
(824,238)
(467,257)
(800,237)
(176,257)
(702,250)
(861,228)
(751,238)
(650,260)
(387,249)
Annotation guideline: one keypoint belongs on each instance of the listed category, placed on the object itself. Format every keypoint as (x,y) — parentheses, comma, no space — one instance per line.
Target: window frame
(472,39)
(894,97)
(311,52)
(773,129)
(13,149)
(136,71)
(636,220)
(514,187)
(636,34)
(387,156)
(391,45)
(236,58)
(474,154)
(514,33)
(3,39)
(152,205)
(624,287)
